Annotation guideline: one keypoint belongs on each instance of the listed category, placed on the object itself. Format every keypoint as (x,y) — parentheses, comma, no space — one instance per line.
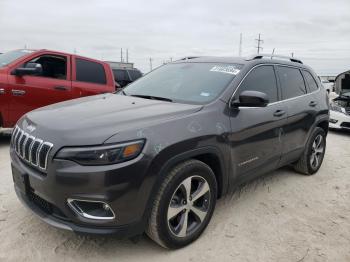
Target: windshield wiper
(153,97)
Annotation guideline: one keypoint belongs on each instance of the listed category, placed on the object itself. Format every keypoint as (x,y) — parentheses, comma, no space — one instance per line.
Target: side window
(91,72)
(310,81)
(120,75)
(53,66)
(134,74)
(261,79)
(292,82)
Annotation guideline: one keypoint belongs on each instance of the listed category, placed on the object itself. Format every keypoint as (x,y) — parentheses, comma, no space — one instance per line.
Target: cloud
(177,28)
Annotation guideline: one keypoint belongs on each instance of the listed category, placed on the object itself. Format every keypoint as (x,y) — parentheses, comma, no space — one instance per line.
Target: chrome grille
(31,149)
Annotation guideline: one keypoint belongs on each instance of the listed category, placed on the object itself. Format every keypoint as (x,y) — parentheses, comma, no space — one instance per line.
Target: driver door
(53,85)
(257,132)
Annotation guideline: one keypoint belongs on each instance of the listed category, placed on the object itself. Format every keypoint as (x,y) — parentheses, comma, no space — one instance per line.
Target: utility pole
(121,55)
(240,45)
(292,54)
(150,63)
(127,55)
(273,52)
(260,41)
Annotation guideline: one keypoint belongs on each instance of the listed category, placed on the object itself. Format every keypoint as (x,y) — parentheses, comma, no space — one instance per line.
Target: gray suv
(156,156)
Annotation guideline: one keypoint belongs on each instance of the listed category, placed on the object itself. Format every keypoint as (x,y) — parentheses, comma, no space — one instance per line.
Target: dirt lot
(282,217)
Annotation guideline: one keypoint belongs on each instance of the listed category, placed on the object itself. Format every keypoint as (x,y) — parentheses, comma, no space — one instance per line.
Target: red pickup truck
(30,79)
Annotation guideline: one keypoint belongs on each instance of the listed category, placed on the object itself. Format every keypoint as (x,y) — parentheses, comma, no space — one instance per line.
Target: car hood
(92,120)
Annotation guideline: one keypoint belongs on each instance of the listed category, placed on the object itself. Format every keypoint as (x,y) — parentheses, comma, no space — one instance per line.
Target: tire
(166,222)
(306,165)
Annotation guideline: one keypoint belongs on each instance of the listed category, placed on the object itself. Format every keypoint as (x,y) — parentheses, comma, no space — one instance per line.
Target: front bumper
(339,120)
(121,186)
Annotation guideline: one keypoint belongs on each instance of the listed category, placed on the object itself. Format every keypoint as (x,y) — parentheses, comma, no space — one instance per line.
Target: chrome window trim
(277,102)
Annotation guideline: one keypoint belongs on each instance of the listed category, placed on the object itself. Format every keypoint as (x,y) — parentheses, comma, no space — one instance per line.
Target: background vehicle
(328,85)
(340,105)
(157,155)
(31,79)
(125,76)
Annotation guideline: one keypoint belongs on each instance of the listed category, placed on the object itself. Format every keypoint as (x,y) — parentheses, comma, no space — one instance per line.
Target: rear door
(302,110)
(89,77)
(29,92)
(257,132)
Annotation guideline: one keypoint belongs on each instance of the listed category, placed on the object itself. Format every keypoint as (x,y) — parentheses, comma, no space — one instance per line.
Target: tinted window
(310,81)
(134,74)
(91,72)
(120,75)
(196,83)
(53,66)
(261,79)
(292,82)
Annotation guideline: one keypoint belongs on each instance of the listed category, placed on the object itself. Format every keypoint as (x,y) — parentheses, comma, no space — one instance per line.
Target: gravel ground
(281,217)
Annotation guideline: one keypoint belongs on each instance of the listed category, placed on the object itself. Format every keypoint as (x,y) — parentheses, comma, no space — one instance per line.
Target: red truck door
(53,85)
(90,77)
(4,100)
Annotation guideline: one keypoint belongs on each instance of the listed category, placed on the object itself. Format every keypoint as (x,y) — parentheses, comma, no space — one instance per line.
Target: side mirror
(251,99)
(28,69)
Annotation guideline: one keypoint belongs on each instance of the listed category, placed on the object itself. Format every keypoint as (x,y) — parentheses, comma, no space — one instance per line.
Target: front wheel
(312,158)
(184,205)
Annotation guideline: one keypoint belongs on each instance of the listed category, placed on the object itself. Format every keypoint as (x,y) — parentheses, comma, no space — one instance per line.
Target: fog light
(91,209)
(333,121)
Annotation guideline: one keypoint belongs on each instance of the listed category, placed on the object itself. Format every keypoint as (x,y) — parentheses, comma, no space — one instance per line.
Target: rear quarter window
(90,72)
(310,80)
(292,82)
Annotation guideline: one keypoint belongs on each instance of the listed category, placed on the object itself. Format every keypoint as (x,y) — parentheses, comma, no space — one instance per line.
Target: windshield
(196,83)
(9,57)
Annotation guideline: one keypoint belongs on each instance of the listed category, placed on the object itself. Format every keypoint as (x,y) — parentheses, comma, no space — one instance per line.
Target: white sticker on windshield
(228,69)
(205,94)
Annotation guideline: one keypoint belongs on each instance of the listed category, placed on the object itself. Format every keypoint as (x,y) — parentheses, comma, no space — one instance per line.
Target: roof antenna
(273,52)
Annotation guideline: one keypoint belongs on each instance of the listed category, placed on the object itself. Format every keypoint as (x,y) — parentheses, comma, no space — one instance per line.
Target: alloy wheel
(317,152)
(188,206)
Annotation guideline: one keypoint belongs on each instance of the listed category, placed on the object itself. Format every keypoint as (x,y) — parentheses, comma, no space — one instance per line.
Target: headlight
(102,155)
(337,108)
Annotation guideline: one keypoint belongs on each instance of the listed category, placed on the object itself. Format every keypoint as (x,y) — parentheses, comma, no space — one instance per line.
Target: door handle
(62,88)
(2,91)
(313,103)
(279,113)
(16,92)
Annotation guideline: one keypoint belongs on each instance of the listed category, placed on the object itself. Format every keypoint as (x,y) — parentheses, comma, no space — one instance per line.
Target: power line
(260,41)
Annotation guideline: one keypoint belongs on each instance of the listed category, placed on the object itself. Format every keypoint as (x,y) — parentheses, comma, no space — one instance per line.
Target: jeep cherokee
(156,156)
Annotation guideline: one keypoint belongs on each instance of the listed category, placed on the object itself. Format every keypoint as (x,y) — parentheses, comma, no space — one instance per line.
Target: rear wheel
(312,158)
(184,205)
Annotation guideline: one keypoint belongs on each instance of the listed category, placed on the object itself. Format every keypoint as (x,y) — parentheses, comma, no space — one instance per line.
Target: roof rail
(188,58)
(261,56)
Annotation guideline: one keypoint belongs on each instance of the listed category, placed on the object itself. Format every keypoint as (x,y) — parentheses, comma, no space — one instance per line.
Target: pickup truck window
(53,66)
(91,72)
(9,57)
